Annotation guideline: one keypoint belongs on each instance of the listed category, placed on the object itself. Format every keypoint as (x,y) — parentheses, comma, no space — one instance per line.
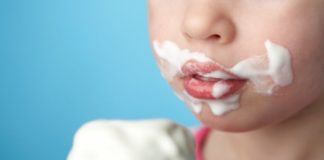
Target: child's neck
(299,138)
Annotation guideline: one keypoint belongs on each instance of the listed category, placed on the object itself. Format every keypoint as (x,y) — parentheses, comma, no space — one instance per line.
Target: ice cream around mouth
(206,81)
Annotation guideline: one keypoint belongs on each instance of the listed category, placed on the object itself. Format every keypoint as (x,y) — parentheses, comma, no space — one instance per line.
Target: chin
(229,124)
(241,120)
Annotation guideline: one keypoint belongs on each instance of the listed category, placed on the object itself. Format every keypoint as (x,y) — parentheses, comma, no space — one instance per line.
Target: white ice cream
(220,89)
(273,69)
(175,57)
(218,107)
(132,140)
(279,69)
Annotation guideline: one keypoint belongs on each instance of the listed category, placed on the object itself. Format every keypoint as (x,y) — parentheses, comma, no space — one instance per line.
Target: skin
(287,125)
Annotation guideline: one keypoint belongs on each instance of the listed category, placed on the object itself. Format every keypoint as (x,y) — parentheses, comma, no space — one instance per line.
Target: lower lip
(201,89)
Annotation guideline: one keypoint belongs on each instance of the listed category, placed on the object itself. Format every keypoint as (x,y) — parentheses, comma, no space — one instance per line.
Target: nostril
(214,37)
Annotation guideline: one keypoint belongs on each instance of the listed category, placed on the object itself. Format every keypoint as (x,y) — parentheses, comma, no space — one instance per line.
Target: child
(256,102)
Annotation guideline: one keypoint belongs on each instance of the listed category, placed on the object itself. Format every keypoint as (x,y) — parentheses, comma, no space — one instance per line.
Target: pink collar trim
(200,137)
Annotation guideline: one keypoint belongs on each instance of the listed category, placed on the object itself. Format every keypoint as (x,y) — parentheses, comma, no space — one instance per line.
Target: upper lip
(209,70)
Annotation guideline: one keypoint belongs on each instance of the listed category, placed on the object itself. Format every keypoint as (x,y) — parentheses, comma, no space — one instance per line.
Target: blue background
(66,62)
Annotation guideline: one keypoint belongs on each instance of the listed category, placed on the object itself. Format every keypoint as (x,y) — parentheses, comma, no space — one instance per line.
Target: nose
(206,21)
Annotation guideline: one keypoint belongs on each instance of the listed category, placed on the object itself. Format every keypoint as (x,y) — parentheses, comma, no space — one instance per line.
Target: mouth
(210,81)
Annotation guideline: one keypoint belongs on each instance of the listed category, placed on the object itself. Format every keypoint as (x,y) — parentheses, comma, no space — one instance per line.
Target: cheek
(309,75)
(308,62)
(259,110)
(302,33)
(306,88)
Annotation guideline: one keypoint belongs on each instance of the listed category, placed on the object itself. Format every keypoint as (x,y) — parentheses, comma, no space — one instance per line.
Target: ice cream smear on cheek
(208,82)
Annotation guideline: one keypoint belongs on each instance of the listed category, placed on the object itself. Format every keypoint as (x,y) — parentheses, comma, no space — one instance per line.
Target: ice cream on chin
(132,140)
(206,81)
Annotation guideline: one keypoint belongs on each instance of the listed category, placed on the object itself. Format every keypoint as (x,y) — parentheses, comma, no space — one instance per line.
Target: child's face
(229,31)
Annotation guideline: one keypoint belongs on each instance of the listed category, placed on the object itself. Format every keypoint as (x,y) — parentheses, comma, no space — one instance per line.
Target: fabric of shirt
(200,137)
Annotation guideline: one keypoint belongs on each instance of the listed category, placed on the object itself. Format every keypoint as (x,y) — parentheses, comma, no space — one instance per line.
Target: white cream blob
(219,89)
(279,69)
(174,58)
(218,107)
(263,72)
(132,140)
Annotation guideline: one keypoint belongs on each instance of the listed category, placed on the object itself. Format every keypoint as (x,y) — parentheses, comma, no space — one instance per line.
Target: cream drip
(219,89)
(218,107)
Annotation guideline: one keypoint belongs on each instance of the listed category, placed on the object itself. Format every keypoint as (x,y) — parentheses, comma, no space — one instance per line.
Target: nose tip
(208,25)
